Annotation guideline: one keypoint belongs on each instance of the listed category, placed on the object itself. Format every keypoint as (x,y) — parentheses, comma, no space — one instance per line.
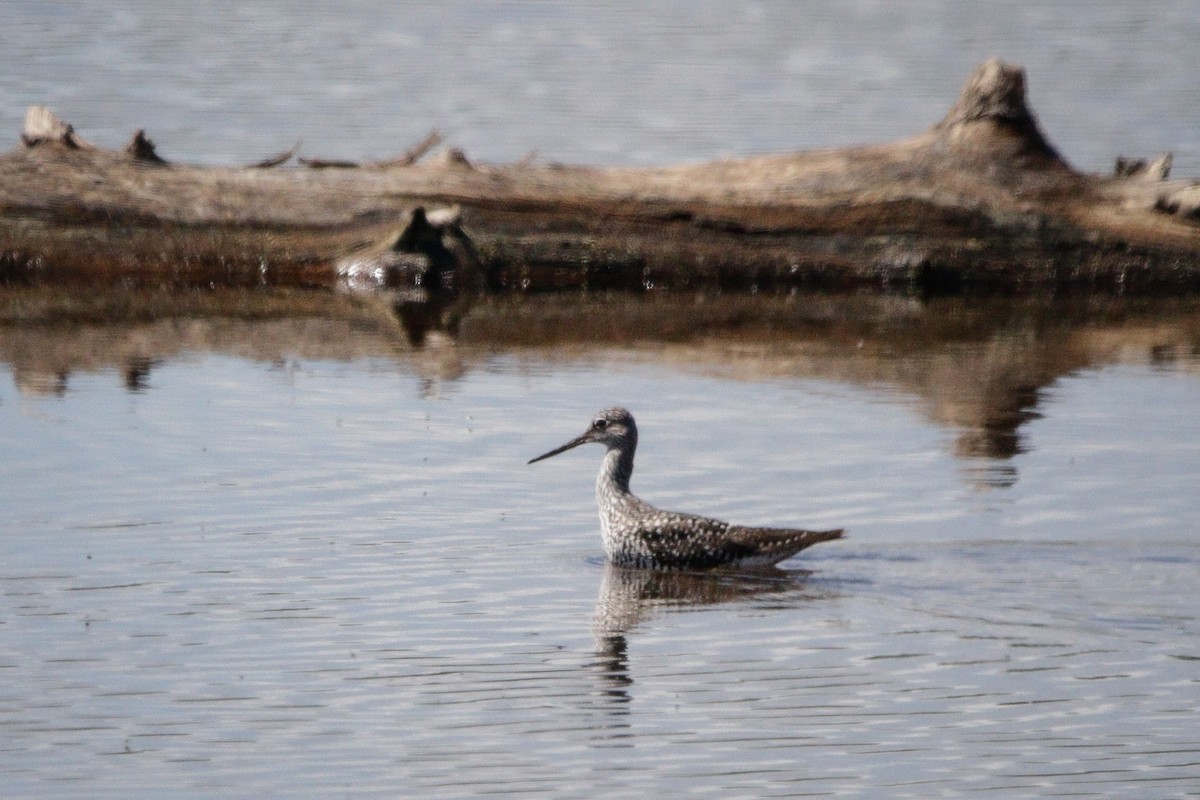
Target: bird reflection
(628,596)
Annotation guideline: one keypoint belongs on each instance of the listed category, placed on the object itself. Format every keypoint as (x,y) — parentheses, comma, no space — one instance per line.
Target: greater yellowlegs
(639,535)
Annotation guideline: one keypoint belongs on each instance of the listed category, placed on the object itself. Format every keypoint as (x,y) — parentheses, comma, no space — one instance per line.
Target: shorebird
(636,534)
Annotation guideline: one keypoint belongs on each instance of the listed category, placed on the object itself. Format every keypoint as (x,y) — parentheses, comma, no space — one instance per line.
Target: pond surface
(288,554)
(618,82)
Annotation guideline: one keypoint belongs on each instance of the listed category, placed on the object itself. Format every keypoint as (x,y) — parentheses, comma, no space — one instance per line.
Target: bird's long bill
(578,440)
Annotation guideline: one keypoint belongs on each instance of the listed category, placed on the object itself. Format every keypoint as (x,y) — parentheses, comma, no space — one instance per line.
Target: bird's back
(644,536)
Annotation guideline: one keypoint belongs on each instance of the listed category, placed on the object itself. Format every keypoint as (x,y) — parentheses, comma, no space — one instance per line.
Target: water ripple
(399,597)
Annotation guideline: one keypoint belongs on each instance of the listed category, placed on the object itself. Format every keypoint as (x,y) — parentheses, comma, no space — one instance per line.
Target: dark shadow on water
(421,316)
(137,373)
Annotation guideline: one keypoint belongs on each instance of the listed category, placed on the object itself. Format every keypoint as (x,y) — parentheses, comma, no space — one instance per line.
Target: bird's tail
(809,538)
(825,536)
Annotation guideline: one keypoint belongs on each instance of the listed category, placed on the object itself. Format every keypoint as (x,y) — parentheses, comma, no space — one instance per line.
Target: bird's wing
(676,539)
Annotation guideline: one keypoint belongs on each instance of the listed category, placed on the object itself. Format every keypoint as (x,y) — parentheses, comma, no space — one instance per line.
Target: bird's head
(614,428)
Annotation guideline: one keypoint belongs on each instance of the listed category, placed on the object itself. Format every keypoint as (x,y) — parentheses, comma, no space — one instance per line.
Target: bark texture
(979,201)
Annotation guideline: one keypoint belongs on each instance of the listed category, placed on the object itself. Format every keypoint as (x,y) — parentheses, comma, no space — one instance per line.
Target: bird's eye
(600,424)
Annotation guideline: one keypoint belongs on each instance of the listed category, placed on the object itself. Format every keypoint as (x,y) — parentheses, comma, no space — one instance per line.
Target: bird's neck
(615,471)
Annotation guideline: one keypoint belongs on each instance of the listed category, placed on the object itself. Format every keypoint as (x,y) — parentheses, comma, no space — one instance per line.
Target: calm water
(297,558)
(650,82)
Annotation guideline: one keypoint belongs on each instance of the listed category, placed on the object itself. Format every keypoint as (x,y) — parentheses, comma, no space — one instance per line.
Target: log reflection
(978,368)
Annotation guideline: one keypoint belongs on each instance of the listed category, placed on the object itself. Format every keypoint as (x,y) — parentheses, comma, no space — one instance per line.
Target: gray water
(298,558)
(653,82)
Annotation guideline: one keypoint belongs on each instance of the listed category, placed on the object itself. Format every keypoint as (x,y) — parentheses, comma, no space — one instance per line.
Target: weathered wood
(981,200)
(414,153)
(42,127)
(278,159)
(142,149)
(406,159)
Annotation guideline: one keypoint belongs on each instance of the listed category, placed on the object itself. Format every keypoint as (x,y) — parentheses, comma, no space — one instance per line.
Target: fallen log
(980,201)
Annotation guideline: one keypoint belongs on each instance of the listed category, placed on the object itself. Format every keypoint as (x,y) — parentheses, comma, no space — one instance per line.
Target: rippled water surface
(299,558)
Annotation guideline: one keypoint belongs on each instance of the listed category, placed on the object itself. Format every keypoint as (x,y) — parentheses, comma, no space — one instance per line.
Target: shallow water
(296,557)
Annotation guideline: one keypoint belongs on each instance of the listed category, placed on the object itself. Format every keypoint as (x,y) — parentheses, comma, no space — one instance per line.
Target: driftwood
(278,159)
(981,200)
